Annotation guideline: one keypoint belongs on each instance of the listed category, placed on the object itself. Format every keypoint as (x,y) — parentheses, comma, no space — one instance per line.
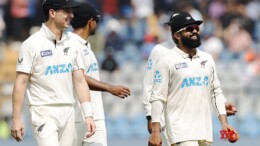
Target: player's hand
(155,139)
(119,91)
(91,127)
(230,108)
(149,126)
(229,128)
(17,129)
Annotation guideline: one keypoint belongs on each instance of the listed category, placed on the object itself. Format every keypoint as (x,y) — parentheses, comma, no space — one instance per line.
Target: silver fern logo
(65,50)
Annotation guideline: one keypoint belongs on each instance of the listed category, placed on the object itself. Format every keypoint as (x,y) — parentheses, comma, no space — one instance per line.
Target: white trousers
(165,140)
(53,125)
(98,139)
(193,143)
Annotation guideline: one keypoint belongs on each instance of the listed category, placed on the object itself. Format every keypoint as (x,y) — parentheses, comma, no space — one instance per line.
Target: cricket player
(158,52)
(85,23)
(185,84)
(48,67)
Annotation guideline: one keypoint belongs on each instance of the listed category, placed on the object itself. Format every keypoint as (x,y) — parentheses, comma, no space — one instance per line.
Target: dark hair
(46,9)
(79,23)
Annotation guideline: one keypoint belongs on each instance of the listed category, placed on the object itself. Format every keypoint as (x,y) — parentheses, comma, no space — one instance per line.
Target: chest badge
(66,50)
(203,63)
(181,65)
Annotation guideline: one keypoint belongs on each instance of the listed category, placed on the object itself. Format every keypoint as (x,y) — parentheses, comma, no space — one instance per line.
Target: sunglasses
(190,28)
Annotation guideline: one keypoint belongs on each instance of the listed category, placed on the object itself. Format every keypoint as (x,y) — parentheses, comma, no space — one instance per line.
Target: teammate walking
(184,84)
(84,24)
(158,52)
(51,66)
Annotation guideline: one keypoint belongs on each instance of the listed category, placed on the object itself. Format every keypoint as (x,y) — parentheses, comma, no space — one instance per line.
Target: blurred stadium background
(126,34)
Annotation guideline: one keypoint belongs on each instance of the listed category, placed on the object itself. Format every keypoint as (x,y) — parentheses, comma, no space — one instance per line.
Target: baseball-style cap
(181,20)
(59,4)
(85,12)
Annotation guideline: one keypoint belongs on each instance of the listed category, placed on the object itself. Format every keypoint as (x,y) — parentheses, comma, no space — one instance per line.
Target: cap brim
(198,22)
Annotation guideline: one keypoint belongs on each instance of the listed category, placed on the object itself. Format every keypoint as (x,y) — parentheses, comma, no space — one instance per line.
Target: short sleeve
(26,59)
(78,61)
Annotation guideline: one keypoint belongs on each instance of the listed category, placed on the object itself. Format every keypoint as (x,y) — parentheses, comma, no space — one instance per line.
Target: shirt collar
(185,55)
(50,35)
(80,39)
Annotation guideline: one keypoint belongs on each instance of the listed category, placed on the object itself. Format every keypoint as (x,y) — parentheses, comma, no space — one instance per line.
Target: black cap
(181,20)
(59,4)
(85,12)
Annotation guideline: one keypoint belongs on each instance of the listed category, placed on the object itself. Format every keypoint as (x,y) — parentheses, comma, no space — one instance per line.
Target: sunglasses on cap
(190,28)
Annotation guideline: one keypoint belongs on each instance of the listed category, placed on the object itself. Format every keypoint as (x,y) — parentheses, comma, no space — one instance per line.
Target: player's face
(62,17)
(190,36)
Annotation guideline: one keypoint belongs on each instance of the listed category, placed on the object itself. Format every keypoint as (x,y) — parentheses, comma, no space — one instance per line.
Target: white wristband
(87,109)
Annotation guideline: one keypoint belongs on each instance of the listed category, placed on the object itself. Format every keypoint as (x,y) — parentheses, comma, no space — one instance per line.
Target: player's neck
(83,33)
(190,51)
(55,30)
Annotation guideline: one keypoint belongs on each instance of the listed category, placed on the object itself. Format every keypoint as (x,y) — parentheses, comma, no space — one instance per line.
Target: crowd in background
(126,34)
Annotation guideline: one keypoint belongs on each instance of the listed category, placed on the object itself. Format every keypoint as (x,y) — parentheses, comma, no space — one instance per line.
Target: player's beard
(189,42)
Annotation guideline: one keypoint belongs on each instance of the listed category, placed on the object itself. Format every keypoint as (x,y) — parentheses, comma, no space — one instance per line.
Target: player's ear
(177,36)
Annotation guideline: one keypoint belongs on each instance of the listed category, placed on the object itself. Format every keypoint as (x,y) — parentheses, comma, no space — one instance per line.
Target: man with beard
(184,84)
(85,23)
(158,52)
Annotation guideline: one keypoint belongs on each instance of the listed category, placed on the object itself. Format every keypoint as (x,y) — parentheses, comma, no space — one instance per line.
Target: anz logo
(149,64)
(58,69)
(195,81)
(157,77)
(92,68)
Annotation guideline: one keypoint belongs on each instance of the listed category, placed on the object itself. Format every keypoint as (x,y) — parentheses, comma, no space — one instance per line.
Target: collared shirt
(50,64)
(187,86)
(91,69)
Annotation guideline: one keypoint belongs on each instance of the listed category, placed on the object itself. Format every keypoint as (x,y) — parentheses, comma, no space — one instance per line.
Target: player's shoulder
(168,58)
(33,41)
(164,46)
(204,54)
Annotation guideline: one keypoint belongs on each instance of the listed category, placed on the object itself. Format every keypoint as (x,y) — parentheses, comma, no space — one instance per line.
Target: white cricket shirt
(157,52)
(91,69)
(187,87)
(50,65)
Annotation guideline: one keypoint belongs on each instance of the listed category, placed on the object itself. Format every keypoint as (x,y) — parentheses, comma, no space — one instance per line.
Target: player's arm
(17,128)
(147,87)
(158,97)
(117,90)
(82,91)
(218,101)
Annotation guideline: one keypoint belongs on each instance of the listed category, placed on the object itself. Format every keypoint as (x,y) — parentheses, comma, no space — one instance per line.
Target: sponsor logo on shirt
(40,128)
(46,53)
(20,60)
(92,68)
(65,50)
(157,77)
(85,52)
(203,63)
(195,81)
(58,69)
(149,64)
(181,65)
